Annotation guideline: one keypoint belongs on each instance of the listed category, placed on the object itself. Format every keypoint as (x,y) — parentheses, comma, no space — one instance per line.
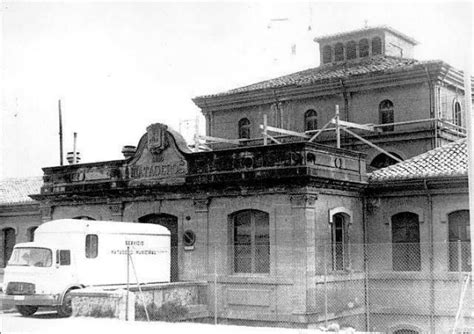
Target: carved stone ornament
(116,208)
(157,140)
(46,211)
(303,200)
(201,204)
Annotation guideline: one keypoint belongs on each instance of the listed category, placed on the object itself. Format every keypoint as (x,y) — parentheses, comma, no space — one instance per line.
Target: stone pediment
(160,157)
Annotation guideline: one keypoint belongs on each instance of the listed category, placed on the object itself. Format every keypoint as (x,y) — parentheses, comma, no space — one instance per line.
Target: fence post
(128,283)
(325,287)
(215,284)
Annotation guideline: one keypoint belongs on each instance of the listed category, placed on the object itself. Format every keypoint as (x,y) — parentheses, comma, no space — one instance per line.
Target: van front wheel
(27,310)
(65,309)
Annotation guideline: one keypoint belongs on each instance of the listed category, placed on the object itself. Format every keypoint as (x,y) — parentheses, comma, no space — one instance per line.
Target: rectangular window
(459,241)
(64,257)
(251,242)
(340,258)
(92,246)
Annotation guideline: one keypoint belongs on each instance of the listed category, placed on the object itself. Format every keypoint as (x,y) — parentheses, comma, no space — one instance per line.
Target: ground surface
(48,322)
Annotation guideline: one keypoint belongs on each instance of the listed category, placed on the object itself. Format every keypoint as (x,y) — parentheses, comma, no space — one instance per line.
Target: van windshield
(31,257)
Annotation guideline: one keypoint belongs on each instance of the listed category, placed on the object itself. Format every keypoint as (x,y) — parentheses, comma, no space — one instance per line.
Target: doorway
(171,223)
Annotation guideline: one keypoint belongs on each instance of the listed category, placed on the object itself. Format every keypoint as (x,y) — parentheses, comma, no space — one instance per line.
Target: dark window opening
(9,240)
(310,120)
(31,233)
(406,242)
(63,257)
(339,52)
(386,115)
(92,246)
(376,46)
(457,117)
(327,54)
(339,241)
(251,240)
(406,331)
(364,48)
(244,128)
(459,241)
(351,50)
(382,160)
(83,218)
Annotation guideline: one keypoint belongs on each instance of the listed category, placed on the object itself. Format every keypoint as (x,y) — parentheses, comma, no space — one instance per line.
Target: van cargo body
(71,254)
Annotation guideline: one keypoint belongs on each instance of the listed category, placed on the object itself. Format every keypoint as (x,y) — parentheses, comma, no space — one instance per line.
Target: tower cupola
(363,43)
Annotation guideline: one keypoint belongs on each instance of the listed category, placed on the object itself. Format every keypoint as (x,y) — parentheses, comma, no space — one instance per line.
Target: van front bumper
(37,300)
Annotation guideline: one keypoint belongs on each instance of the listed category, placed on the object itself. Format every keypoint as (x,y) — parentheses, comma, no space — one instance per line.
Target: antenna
(60,134)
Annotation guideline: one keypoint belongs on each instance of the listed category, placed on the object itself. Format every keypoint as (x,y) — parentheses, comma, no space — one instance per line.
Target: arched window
(30,233)
(459,241)
(386,114)
(382,160)
(376,46)
(406,331)
(351,50)
(83,218)
(457,117)
(339,52)
(310,120)
(251,241)
(406,242)
(364,47)
(9,240)
(244,128)
(340,242)
(327,54)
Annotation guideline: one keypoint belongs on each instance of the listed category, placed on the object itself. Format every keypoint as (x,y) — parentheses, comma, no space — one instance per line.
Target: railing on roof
(312,135)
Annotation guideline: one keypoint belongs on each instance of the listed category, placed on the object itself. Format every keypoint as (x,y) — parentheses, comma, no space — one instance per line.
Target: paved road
(48,322)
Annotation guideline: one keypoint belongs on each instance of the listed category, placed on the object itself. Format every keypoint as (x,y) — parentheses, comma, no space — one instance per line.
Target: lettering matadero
(366,227)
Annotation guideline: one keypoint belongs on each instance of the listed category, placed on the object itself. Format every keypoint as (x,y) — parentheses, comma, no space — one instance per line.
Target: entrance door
(171,223)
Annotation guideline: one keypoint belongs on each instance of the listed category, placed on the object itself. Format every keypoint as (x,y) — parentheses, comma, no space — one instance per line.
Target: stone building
(371,74)
(19,214)
(298,233)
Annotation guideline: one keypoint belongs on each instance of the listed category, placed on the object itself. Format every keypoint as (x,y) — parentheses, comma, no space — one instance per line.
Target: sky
(119,66)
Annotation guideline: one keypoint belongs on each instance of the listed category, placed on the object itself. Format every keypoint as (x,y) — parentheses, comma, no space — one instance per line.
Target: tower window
(386,114)
(339,52)
(244,128)
(376,46)
(310,120)
(327,54)
(364,47)
(351,50)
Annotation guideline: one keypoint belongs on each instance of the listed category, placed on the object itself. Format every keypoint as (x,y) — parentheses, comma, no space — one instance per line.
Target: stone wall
(112,302)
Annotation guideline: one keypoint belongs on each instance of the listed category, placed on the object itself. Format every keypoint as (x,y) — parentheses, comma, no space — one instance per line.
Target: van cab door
(64,275)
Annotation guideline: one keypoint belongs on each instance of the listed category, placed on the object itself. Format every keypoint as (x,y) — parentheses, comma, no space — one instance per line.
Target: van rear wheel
(27,310)
(65,309)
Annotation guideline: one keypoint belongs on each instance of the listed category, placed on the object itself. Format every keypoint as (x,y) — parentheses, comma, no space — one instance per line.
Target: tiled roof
(372,65)
(16,190)
(448,160)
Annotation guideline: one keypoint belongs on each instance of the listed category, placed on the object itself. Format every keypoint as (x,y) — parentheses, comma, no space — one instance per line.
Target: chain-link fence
(396,288)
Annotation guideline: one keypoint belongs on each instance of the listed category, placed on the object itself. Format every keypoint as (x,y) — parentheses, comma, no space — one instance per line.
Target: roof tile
(376,64)
(16,190)
(448,160)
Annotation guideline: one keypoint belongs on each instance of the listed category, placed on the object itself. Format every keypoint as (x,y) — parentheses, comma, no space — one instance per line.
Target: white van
(71,254)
